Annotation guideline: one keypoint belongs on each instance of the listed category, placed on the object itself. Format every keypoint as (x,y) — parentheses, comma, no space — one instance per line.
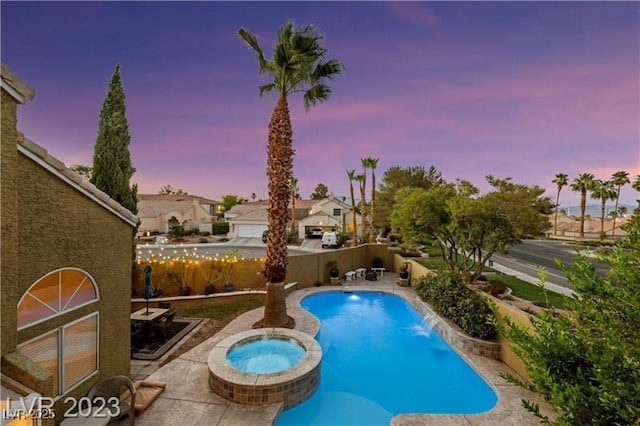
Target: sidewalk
(556,288)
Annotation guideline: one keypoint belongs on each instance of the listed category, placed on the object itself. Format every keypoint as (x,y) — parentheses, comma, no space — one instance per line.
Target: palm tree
(560,181)
(636,185)
(619,179)
(351,174)
(603,191)
(361,180)
(297,65)
(363,201)
(372,163)
(582,184)
(294,188)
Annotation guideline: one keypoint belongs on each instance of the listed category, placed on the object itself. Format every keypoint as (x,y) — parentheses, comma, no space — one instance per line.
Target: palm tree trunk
(279,166)
(583,207)
(555,220)
(363,211)
(373,200)
(354,234)
(602,209)
(615,213)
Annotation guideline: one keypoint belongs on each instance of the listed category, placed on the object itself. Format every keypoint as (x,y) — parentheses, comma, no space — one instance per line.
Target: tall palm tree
(560,180)
(582,184)
(351,174)
(297,65)
(363,201)
(294,188)
(619,179)
(372,163)
(361,181)
(636,185)
(603,191)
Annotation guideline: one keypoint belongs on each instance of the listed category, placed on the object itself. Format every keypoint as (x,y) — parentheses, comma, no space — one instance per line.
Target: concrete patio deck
(189,400)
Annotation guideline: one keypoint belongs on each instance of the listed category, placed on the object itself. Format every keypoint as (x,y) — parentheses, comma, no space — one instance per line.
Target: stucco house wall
(53,218)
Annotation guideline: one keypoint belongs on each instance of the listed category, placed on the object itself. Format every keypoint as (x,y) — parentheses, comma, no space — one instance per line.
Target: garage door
(250,231)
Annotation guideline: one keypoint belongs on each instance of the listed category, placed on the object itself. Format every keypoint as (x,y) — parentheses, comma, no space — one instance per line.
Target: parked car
(330,239)
(315,233)
(265,233)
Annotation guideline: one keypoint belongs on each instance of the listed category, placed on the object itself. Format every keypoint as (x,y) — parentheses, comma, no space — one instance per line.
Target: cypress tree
(112,168)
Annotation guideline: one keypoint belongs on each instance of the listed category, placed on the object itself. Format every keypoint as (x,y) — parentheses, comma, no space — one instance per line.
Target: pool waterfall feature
(293,384)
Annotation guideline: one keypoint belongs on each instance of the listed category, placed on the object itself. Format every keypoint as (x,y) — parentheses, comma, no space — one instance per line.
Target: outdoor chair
(116,386)
(163,324)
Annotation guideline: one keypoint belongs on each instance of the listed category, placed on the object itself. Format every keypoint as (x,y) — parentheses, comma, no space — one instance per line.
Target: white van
(329,239)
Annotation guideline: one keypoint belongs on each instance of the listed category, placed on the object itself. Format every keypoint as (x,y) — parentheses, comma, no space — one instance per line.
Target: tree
(363,197)
(396,178)
(169,190)
(603,191)
(297,65)
(619,179)
(82,170)
(636,185)
(230,200)
(586,363)
(253,196)
(320,192)
(360,179)
(373,165)
(351,174)
(560,180)
(582,184)
(465,224)
(112,167)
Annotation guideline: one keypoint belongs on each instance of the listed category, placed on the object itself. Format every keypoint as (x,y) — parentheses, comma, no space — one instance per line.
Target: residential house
(247,220)
(328,214)
(159,212)
(66,261)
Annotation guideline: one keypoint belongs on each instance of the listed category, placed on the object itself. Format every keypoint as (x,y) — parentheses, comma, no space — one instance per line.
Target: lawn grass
(438,264)
(220,312)
(528,291)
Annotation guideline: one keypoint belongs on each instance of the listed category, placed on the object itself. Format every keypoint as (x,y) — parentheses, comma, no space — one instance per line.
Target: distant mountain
(593,210)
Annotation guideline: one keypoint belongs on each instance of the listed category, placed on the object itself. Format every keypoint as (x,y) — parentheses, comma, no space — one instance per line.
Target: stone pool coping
(188,395)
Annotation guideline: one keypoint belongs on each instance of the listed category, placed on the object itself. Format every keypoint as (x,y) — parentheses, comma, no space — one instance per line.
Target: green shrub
(450,298)
(203,240)
(205,233)
(219,228)
(292,236)
(376,262)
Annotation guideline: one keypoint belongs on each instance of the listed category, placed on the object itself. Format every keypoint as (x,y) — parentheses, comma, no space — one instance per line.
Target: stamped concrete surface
(188,400)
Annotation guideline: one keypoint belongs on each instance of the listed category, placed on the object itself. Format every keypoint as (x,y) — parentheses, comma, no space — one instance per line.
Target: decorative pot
(228,287)
(334,273)
(209,289)
(404,274)
(185,291)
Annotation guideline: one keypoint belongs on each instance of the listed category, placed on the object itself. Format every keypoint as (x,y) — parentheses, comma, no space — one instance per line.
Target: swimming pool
(378,361)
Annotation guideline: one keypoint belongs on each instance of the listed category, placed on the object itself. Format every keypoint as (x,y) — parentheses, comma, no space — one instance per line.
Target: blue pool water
(379,361)
(266,355)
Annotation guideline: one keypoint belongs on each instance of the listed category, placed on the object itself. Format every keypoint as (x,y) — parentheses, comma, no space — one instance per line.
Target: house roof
(17,88)
(247,207)
(154,205)
(304,204)
(257,215)
(40,155)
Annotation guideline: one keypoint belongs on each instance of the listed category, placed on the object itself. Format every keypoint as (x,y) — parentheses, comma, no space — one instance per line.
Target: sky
(514,89)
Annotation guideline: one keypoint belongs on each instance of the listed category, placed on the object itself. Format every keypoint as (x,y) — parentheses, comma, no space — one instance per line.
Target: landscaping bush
(203,240)
(292,236)
(450,298)
(205,233)
(219,228)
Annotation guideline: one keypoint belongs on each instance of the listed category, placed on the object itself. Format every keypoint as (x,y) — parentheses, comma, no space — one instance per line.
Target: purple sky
(516,89)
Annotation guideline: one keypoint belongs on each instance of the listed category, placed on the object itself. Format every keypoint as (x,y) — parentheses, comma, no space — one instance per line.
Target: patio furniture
(147,391)
(116,386)
(349,275)
(379,271)
(360,272)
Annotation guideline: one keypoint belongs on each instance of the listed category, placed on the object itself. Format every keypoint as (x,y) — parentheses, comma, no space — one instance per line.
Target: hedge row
(450,298)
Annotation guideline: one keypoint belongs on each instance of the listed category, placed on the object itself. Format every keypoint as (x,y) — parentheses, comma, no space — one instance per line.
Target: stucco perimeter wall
(8,224)
(60,227)
(305,269)
(507,355)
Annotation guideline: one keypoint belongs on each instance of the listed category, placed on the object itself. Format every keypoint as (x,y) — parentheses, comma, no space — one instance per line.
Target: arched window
(70,351)
(57,292)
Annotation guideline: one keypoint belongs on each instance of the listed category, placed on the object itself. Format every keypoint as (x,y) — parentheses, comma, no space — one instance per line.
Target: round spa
(265,366)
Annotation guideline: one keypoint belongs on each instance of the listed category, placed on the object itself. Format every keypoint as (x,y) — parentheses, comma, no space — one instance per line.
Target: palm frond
(267,89)
(318,93)
(252,41)
(328,69)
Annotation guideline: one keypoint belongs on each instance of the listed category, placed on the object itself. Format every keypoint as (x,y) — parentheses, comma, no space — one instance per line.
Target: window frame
(339,210)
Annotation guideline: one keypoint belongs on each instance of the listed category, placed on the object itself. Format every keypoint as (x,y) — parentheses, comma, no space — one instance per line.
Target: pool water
(379,361)
(266,355)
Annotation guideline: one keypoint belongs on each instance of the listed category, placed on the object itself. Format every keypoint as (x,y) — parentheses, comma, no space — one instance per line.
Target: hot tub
(265,366)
